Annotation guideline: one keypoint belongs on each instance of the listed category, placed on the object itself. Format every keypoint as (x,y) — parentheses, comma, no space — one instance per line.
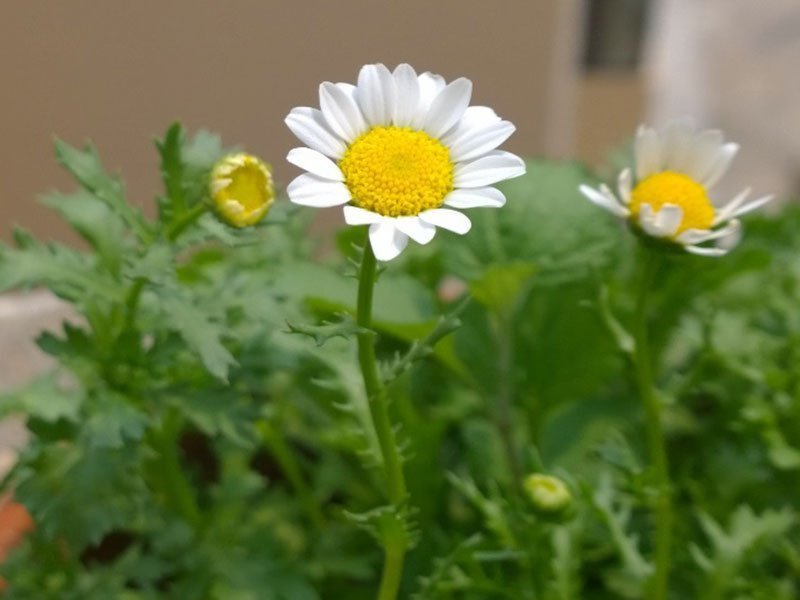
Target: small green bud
(548,494)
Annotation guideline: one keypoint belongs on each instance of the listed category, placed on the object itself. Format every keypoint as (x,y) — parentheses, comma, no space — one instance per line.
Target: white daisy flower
(400,151)
(668,200)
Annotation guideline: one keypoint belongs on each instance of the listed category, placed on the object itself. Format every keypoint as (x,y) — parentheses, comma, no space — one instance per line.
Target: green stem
(283,454)
(379,410)
(132,302)
(180,495)
(502,406)
(186,219)
(392,571)
(655,434)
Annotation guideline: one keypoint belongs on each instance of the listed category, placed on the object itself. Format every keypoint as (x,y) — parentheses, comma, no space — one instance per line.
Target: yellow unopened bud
(242,189)
(548,494)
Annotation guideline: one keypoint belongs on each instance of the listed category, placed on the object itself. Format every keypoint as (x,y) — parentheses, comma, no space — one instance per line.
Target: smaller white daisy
(400,151)
(675,168)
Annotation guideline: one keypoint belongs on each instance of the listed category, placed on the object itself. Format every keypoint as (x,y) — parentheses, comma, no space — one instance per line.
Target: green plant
(207,434)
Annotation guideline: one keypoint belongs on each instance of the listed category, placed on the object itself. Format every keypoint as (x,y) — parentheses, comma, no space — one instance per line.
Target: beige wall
(119,72)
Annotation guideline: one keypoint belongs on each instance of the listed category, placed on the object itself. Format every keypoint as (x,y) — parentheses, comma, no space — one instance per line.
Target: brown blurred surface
(119,72)
(610,107)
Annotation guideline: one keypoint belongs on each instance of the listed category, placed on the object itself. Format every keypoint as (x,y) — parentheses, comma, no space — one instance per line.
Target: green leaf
(113,421)
(746,529)
(201,334)
(399,299)
(78,495)
(432,343)
(199,153)
(344,328)
(546,222)
(68,273)
(500,285)
(95,222)
(616,510)
(172,168)
(43,399)
(87,169)
(391,526)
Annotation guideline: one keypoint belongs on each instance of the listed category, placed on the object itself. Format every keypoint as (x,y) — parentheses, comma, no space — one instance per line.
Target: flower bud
(548,494)
(242,190)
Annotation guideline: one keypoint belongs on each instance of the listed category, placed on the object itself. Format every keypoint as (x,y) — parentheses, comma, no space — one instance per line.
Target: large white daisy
(668,200)
(395,150)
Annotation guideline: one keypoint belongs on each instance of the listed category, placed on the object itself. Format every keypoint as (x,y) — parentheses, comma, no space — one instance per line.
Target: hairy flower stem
(662,506)
(394,549)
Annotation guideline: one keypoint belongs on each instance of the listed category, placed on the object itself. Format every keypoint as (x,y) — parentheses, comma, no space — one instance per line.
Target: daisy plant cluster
(235,414)
(668,203)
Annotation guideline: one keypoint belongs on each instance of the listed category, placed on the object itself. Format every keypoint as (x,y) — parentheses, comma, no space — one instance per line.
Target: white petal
(676,140)
(386,241)
(604,199)
(452,220)
(310,127)
(731,207)
(315,162)
(310,190)
(430,85)
(624,185)
(750,206)
(701,251)
(415,228)
(669,219)
(478,116)
(733,233)
(647,221)
(720,164)
(698,236)
(486,170)
(354,215)
(448,107)
(647,152)
(407,103)
(377,94)
(469,143)
(341,111)
(703,150)
(475,198)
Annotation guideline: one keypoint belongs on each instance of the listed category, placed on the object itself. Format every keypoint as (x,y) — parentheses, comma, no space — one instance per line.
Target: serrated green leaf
(95,222)
(87,169)
(345,328)
(390,525)
(202,335)
(78,495)
(172,167)
(113,421)
(43,399)
(70,274)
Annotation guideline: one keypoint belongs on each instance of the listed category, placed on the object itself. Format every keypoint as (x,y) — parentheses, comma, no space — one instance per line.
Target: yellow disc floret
(242,189)
(669,187)
(397,171)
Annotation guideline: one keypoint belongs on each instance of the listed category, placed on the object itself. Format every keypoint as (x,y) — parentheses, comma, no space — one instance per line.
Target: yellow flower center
(242,189)
(669,187)
(397,171)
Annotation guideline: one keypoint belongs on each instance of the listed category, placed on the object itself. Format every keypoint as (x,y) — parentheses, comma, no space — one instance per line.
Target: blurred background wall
(575,76)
